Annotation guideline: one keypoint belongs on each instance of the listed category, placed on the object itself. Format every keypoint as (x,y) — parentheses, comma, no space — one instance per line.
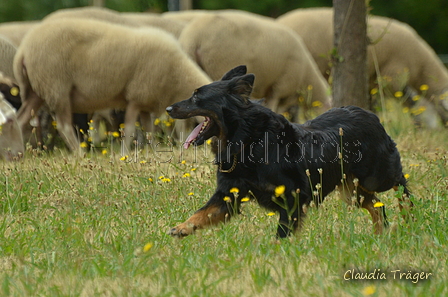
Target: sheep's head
(10,91)
(11,141)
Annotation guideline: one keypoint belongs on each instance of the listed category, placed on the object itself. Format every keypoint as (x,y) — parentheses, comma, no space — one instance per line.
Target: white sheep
(186,16)
(11,141)
(274,53)
(7,52)
(132,19)
(15,31)
(400,55)
(82,66)
(175,27)
(93,13)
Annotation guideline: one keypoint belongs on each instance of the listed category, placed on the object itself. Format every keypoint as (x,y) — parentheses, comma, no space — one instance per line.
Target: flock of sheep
(94,60)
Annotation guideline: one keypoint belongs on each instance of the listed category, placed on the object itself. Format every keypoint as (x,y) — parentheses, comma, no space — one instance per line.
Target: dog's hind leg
(367,200)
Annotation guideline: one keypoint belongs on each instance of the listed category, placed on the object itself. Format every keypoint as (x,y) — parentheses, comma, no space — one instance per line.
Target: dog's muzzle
(169,109)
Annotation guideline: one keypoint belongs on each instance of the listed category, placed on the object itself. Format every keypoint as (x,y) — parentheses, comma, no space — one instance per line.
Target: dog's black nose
(169,109)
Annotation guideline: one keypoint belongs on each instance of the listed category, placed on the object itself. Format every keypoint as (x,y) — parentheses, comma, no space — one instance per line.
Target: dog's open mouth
(201,133)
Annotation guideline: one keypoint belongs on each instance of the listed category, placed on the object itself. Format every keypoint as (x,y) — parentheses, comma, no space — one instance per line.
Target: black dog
(258,150)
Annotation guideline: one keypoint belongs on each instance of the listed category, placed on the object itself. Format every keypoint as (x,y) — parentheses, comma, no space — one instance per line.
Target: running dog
(282,165)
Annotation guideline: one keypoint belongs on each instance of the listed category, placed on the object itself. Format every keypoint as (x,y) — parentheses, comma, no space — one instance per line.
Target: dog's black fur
(258,150)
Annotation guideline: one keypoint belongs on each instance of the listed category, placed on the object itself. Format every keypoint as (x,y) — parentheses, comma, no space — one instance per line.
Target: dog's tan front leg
(206,216)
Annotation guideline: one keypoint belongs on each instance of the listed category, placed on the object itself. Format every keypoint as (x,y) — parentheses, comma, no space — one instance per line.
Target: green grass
(78,227)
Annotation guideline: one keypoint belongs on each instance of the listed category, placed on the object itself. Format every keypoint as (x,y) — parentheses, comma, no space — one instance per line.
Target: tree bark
(350,80)
(99,3)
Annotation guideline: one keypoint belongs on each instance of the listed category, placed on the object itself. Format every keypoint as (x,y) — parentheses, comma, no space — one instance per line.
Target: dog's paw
(182,230)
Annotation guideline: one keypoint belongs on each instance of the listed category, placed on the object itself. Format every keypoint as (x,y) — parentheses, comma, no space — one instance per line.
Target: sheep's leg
(64,121)
(146,121)
(27,111)
(130,118)
(273,103)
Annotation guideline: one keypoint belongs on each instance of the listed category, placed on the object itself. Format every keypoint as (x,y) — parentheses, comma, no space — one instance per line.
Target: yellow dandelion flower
(309,88)
(279,190)
(227,199)
(398,94)
(115,134)
(373,91)
(245,199)
(405,109)
(424,87)
(161,177)
(137,124)
(316,104)
(209,141)
(122,126)
(84,144)
(270,214)
(193,169)
(150,179)
(104,152)
(156,122)
(147,247)
(378,204)
(166,180)
(89,139)
(91,128)
(190,194)
(142,162)
(406,176)
(124,158)
(234,190)
(369,290)
(186,174)
(417,111)
(416,98)
(82,131)
(183,162)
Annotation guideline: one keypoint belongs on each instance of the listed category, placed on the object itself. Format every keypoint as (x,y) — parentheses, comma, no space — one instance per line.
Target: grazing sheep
(114,17)
(397,54)
(92,13)
(175,27)
(273,52)
(7,52)
(80,66)
(11,141)
(10,90)
(186,16)
(15,31)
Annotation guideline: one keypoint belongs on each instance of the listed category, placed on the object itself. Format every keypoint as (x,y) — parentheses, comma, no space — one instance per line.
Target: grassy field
(97,226)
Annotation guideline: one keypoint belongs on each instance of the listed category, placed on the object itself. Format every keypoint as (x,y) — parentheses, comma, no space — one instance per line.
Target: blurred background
(429,18)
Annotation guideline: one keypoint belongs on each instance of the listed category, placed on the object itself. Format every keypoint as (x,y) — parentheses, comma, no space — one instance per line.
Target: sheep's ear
(242,85)
(237,71)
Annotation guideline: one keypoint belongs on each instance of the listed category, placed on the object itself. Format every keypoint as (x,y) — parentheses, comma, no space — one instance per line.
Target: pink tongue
(193,135)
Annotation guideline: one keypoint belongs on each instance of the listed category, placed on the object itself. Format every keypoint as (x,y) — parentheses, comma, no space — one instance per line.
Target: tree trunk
(350,80)
(99,3)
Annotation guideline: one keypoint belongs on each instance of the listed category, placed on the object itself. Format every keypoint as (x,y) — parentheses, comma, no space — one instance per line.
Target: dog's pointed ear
(237,71)
(242,85)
